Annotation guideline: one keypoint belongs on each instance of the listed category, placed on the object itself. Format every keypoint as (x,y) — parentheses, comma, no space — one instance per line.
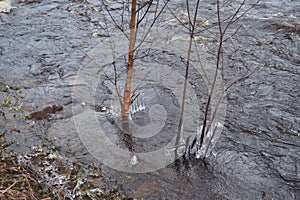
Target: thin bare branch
(247,75)
(205,129)
(180,125)
(175,16)
(152,24)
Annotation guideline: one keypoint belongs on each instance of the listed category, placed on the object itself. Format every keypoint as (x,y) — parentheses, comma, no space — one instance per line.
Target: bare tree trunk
(127,88)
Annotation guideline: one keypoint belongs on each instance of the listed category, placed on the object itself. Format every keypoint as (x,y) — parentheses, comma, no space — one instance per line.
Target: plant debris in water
(41,114)
(42,174)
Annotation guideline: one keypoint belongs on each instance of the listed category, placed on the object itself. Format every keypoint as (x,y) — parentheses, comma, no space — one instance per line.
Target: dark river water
(44,44)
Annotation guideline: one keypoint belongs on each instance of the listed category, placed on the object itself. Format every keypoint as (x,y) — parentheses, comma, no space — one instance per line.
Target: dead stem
(7,189)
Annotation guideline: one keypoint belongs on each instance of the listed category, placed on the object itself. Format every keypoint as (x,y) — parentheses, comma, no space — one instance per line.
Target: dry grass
(44,176)
(20,182)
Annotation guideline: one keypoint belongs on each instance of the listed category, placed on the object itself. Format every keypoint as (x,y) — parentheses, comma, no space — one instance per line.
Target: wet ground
(43,45)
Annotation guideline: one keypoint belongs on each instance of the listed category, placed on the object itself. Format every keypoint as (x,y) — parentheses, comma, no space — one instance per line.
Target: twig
(247,75)
(9,187)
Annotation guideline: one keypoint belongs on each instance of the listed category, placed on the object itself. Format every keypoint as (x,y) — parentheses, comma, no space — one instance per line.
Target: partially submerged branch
(192,30)
(209,126)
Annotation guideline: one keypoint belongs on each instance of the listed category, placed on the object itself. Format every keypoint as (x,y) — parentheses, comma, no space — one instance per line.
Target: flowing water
(44,44)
